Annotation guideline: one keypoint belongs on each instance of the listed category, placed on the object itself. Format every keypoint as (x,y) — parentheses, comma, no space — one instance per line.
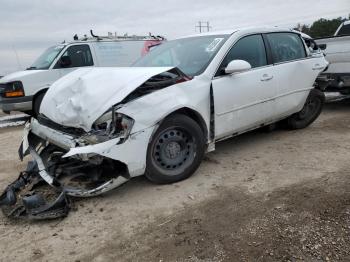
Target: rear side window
(250,48)
(344,30)
(79,56)
(286,47)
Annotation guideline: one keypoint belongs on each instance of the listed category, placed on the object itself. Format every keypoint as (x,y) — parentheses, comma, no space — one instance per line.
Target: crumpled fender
(132,152)
(151,109)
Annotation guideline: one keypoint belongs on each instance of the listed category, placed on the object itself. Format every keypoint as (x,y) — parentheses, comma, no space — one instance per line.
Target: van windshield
(45,60)
(191,55)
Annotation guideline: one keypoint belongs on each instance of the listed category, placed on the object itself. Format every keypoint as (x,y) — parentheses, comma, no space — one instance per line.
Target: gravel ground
(278,196)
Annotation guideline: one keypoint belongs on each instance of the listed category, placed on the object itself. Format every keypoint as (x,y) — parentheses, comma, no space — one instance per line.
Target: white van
(24,90)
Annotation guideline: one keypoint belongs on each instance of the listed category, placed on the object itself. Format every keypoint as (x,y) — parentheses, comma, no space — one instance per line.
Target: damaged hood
(81,97)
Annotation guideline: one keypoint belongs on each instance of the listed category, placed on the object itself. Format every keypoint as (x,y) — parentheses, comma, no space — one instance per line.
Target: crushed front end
(74,163)
(86,142)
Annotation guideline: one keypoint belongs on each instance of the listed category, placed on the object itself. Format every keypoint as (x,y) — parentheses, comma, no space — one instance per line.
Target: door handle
(266,77)
(317,67)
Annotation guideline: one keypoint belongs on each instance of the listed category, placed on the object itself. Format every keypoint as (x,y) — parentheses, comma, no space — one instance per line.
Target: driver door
(74,57)
(244,100)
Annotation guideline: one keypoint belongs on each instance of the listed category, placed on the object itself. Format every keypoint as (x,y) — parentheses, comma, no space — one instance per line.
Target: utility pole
(201,25)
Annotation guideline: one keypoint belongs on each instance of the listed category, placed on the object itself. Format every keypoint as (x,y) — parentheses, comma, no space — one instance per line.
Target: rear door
(244,100)
(294,71)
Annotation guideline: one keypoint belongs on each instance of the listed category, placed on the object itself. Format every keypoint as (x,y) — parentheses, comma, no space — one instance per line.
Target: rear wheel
(176,150)
(311,110)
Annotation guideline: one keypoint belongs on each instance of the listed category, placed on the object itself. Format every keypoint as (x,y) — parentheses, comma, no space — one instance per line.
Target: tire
(311,110)
(175,151)
(269,128)
(37,103)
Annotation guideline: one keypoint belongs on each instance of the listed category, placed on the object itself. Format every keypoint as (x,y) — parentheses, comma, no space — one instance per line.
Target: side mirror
(237,66)
(65,61)
(322,46)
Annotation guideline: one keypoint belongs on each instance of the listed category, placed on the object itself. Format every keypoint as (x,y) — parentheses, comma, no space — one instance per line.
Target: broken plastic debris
(29,197)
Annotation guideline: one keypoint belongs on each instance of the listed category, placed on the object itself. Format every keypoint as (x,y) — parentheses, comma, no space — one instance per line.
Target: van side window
(286,47)
(250,49)
(75,56)
(344,30)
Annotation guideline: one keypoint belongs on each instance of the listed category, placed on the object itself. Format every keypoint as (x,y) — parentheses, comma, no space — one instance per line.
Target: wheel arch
(194,115)
(39,93)
(35,97)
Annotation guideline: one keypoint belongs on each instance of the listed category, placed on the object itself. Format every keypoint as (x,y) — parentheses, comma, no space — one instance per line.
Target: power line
(201,25)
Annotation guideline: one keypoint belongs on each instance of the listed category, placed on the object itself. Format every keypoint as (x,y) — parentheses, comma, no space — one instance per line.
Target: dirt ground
(278,196)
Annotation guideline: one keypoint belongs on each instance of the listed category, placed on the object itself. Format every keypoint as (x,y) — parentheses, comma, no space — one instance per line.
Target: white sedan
(162,115)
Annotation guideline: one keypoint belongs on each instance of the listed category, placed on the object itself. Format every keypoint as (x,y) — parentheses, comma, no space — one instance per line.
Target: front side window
(75,56)
(250,49)
(191,55)
(286,47)
(45,60)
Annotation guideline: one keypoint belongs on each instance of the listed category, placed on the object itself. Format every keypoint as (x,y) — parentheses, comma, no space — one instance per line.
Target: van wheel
(37,103)
(311,110)
(175,151)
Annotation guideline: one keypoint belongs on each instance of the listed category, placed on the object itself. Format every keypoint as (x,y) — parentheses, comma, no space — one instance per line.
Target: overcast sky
(29,27)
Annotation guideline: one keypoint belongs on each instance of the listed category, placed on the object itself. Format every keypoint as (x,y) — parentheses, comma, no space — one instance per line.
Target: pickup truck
(337,50)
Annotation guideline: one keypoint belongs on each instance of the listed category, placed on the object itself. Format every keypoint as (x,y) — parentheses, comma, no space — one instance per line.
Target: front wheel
(175,151)
(311,110)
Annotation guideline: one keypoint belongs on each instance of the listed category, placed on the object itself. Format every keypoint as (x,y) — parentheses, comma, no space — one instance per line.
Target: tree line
(322,27)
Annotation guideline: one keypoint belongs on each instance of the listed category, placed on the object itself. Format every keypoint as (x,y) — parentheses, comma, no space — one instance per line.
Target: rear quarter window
(286,47)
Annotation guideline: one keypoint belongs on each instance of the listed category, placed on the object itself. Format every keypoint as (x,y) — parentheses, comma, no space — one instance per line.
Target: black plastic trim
(12,100)
(268,50)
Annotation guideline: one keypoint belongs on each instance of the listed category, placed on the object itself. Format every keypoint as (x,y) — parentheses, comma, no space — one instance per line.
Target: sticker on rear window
(213,45)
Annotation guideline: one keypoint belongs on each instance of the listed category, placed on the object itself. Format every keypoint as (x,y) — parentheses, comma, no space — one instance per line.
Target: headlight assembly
(13,89)
(109,126)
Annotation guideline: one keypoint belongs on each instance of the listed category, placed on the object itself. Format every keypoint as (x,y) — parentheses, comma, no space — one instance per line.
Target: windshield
(191,55)
(45,60)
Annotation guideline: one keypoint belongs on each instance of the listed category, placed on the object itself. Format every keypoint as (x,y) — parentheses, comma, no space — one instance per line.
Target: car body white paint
(338,55)
(242,101)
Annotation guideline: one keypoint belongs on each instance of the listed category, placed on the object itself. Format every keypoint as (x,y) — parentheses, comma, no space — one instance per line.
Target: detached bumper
(132,153)
(16,104)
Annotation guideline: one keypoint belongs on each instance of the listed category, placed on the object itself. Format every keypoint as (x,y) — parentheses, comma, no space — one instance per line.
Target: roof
(261,29)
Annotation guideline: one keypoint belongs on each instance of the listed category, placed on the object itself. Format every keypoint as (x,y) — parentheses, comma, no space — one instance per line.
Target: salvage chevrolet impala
(160,116)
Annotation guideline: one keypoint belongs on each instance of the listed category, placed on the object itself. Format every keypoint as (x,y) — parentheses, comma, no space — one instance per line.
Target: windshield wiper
(31,68)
